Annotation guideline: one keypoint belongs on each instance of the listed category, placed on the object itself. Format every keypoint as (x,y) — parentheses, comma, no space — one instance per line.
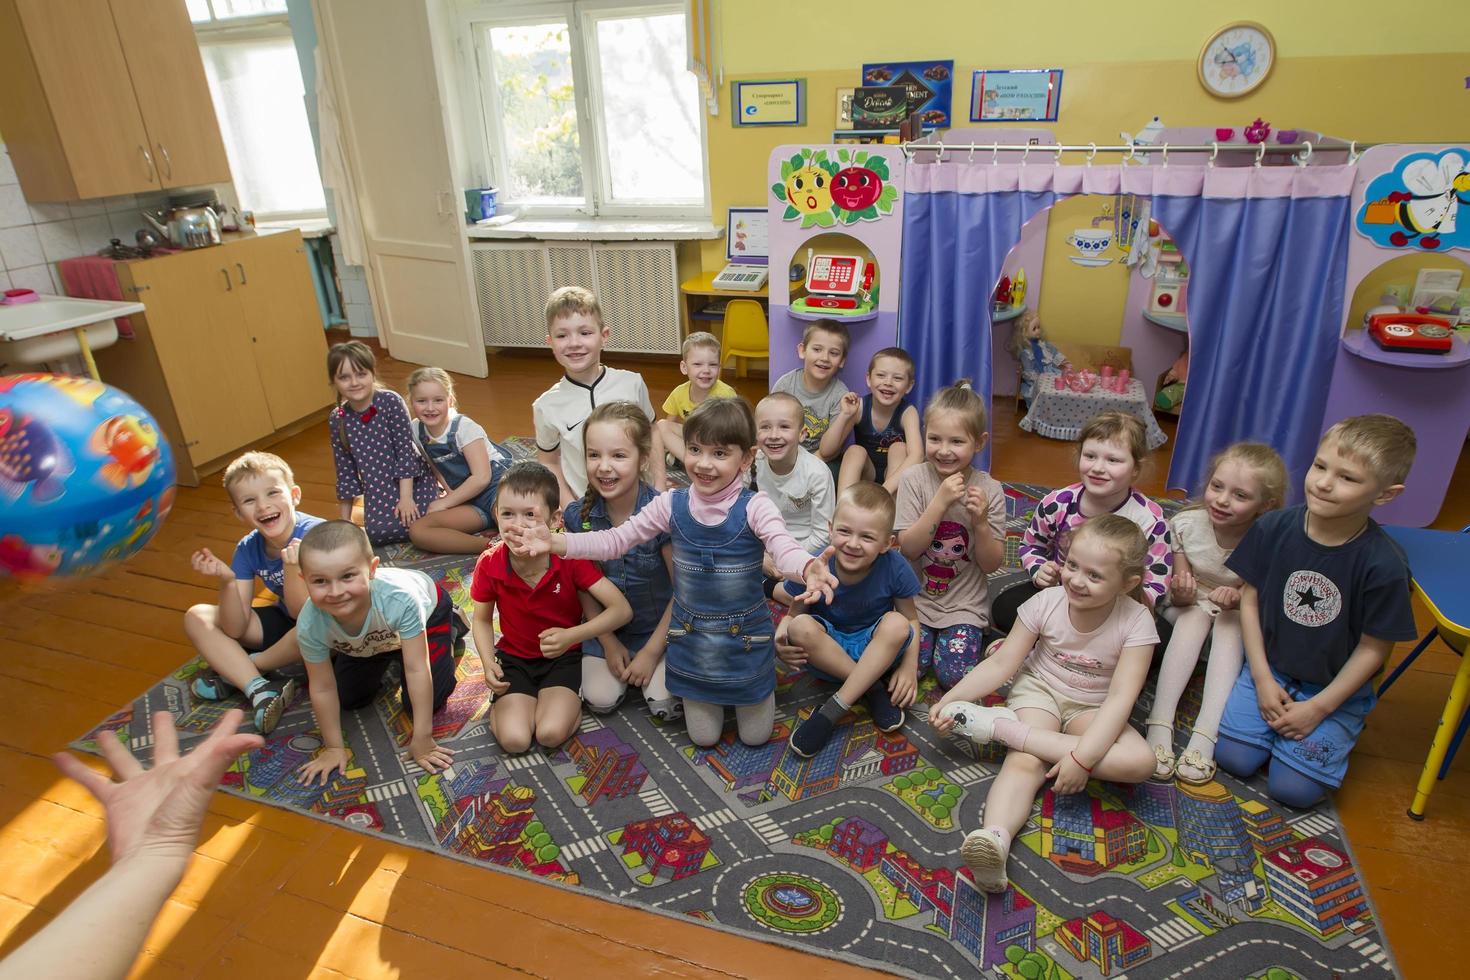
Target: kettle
(193,227)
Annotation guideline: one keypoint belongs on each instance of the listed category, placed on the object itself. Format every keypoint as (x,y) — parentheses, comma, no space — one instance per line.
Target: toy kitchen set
(837,285)
(1171,282)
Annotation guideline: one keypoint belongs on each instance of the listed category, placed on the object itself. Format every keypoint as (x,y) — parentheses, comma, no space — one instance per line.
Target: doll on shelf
(1037,355)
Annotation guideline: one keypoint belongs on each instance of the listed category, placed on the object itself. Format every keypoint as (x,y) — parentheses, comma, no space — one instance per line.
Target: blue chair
(1457,644)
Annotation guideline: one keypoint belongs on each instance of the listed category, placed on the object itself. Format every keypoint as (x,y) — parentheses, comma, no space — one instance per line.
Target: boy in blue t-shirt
(237,640)
(1326,596)
(360,619)
(867,637)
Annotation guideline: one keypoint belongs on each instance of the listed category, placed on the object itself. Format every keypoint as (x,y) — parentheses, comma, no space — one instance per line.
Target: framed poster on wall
(1016,95)
(779,103)
(928,87)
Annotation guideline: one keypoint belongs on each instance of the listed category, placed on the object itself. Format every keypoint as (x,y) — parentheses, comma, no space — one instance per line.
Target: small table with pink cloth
(1060,413)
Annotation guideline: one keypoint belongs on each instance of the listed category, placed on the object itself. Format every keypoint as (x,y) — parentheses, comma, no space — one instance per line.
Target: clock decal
(1237,59)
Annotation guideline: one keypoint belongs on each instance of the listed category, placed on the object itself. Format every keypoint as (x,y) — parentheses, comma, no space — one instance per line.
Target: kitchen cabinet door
(172,93)
(70,118)
(287,340)
(197,324)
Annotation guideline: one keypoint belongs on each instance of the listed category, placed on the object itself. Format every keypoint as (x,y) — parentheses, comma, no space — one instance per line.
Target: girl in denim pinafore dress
(468,465)
(721,651)
(618,444)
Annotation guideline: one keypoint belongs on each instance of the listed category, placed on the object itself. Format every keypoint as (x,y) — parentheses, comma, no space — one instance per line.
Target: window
(589,108)
(255,79)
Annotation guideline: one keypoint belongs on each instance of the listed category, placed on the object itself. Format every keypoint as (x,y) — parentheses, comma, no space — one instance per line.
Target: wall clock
(1236,59)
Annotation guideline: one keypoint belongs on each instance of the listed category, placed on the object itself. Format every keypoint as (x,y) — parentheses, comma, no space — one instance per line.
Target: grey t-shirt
(820,406)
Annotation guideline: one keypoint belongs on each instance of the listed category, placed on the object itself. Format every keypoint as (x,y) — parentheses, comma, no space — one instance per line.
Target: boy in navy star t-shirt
(1326,596)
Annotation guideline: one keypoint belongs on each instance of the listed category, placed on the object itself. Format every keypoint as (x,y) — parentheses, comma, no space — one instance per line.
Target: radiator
(636,283)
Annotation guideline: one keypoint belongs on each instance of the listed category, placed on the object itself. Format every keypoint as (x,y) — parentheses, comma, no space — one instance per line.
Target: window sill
(309,227)
(597,230)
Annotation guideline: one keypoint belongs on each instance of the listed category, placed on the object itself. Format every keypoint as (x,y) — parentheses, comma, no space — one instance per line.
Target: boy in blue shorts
(239,641)
(867,638)
(1326,596)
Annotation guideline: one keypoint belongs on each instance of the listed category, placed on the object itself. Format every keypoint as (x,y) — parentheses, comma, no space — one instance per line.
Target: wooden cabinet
(230,350)
(105,97)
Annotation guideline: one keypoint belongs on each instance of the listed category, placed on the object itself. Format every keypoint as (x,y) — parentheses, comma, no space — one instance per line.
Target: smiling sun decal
(823,191)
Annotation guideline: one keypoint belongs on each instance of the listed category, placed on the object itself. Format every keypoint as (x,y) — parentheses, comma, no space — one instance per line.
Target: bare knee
(1026,764)
(513,737)
(201,618)
(551,735)
(893,628)
(1137,764)
(805,629)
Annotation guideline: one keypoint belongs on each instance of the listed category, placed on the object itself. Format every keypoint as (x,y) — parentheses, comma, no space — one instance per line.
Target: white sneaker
(977,721)
(986,858)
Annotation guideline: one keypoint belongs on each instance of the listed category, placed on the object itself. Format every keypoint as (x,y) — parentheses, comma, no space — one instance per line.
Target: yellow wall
(1355,69)
(1081,304)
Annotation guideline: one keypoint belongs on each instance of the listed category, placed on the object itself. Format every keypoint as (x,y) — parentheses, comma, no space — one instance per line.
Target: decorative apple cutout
(856,188)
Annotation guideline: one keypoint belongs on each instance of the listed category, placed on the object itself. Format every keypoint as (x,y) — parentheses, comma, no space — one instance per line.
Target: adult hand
(205,563)
(157,812)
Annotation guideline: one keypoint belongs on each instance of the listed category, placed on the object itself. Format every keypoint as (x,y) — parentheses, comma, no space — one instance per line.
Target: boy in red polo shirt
(536,672)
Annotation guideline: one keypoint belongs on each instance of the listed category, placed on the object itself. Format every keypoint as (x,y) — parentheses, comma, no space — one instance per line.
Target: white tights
(705,721)
(1191,625)
(603,691)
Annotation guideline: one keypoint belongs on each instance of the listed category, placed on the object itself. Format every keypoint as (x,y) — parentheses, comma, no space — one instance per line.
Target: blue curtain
(1267,277)
(953,247)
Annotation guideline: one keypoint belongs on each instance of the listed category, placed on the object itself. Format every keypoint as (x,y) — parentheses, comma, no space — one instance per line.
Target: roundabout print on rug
(853,853)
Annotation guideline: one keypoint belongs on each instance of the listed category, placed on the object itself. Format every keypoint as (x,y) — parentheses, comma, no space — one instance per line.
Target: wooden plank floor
(273,891)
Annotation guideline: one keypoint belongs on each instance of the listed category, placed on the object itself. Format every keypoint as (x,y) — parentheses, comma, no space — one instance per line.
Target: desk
(705,305)
(1438,561)
(1061,413)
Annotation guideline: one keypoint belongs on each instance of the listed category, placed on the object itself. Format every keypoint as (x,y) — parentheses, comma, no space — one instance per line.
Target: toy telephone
(1411,332)
(837,284)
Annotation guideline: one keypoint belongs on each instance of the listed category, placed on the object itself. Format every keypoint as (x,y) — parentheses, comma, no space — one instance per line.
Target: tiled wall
(357,307)
(34,237)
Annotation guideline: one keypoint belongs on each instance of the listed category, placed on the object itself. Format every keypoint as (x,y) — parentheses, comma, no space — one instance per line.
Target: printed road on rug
(854,853)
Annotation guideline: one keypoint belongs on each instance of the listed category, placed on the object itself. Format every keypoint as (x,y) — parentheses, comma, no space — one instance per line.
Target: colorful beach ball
(85,475)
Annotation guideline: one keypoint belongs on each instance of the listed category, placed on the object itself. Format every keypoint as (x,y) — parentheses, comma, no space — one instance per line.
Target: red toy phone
(1411,332)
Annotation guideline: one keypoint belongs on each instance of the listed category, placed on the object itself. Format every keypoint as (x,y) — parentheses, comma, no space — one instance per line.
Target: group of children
(880,548)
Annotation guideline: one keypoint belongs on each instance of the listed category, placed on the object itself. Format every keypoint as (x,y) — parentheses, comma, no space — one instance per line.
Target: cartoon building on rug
(740,766)
(1317,883)
(1109,944)
(1152,802)
(855,752)
(928,889)
(1079,835)
(1212,831)
(1264,825)
(484,817)
(859,843)
(986,924)
(671,847)
(609,766)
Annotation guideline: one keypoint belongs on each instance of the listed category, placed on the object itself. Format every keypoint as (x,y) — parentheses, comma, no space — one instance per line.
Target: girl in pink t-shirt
(1080,652)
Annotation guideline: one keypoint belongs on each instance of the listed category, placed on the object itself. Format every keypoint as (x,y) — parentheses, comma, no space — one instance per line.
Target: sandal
(1193,768)
(1164,764)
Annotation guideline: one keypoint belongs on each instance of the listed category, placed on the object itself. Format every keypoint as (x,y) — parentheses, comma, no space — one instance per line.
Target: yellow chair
(745,334)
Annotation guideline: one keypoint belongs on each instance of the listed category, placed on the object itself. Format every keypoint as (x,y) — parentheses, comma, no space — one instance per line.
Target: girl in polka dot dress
(373,448)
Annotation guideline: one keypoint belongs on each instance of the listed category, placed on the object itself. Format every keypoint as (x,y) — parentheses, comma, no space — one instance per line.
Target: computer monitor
(747,241)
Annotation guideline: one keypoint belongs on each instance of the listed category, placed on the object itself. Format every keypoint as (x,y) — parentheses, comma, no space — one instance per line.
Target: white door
(397,145)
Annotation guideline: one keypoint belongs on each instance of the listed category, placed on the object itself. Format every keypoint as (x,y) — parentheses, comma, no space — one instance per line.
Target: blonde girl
(468,465)
(618,441)
(1246,480)
(1110,455)
(1080,652)
(951,527)
(373,448)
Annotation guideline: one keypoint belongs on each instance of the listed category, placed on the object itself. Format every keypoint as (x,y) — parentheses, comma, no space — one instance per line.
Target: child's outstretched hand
(790,653)
(527,542)
(205,563)
(495,677)
(819,579)
(320,769)
(1068,776)
(1047,575)
(157,812)
(903,685)
(850,405)
(1225,597)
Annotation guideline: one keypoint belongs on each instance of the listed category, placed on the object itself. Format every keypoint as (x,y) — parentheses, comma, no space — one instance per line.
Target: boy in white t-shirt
(576,333)
(798,483)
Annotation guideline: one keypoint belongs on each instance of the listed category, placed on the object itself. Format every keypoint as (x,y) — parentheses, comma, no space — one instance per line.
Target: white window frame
(263,27)
(581,17)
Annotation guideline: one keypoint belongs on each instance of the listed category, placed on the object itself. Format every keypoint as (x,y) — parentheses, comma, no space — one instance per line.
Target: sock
(1205,746)
(1160,734)
(833,710)
(1012,734)
(255,688)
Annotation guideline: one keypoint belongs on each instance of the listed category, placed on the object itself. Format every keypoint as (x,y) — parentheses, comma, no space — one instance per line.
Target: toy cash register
(1411,332)
(837,285)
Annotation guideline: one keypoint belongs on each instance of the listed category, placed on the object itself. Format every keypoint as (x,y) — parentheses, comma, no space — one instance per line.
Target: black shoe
(811,735)
(886,716)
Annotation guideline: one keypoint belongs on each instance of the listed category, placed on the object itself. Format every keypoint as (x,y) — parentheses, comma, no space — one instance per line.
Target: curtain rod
(1303,150)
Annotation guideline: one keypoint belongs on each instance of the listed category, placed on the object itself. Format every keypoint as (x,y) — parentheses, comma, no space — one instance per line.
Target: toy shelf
(1359,344)
(1177,322)
(1007,314)
(830,315)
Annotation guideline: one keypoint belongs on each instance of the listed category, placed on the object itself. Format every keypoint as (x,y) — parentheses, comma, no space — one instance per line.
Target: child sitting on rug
(359,620)
(884,425)
(535,670)
(236,640)
(798,483)
(823,351)
(720,650)
(1326,596)
(1082,649)
(700,363)
(867,637)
